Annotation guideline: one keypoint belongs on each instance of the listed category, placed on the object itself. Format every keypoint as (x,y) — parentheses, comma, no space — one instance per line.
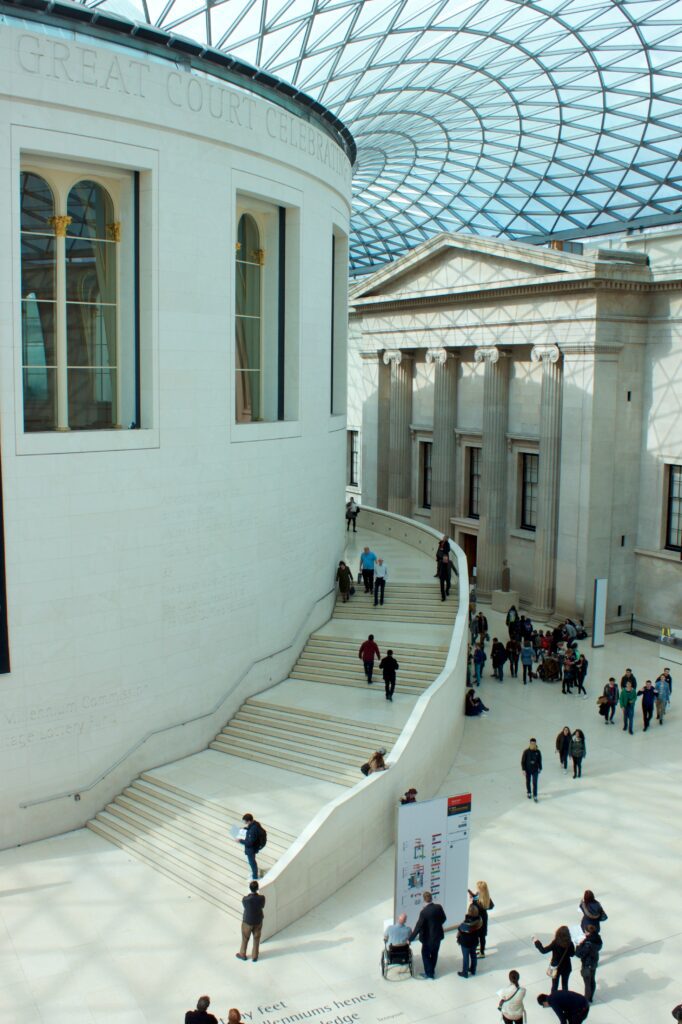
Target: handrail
(292,892)
(177,725)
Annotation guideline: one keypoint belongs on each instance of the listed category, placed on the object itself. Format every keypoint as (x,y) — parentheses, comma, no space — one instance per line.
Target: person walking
(592,911)
(444,576)
(468,932)
(442,549)
(628,699)
(512,623)
(498,656)
(201,1014)
(665,674)
(527,662)
(367,562)
(531,765)
(344,578)
(482,900)
(578,752)
(562,949)
(648,695)
(352,509)
(563,747)
(380,577)
(253,841)
(662,689)
(429,931)
(252,922)
(570,1007)
(389,666)
(581,667)
(568,677)
(480,658)
(612,696)
(588,952)
(481,627)
(628,677)
(511,1000)
(513,649)
(367,653)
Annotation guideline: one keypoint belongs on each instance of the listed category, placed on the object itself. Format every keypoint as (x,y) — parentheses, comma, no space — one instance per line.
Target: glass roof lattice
(497,117)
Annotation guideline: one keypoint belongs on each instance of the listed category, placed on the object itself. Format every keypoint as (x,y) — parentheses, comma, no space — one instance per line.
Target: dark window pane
(674,524)
(40,398)
(37,266)
(90,335)
(37,203)
(474,481)
(90,209)
(248,344)
(247,289)
(92,399)
(90,270)
(248,239)
(247,396)
(38,333)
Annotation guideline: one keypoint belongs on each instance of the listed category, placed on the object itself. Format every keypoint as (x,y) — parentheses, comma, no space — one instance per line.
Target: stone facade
(518,352)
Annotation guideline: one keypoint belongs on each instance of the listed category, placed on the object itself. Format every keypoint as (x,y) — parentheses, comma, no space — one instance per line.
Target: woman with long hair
(563,746)
(511,1000)
(562,949)
(592,911)
(483,901)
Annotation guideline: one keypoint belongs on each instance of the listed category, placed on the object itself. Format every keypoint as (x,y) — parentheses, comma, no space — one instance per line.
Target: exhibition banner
(432,854)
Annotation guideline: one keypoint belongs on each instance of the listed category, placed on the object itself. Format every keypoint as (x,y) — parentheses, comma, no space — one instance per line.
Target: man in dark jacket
(588,952)
(612,697)
(429,931)
(252,922)
(570,1007)
(200,1015)
(498,656)
(389,666)
(251,842)
(531,764)
(444,575)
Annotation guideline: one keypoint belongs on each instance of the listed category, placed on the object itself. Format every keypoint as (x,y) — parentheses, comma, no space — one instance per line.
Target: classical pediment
(457,262)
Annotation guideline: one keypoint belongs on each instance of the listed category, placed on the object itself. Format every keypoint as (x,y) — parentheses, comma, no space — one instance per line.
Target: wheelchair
(397,956)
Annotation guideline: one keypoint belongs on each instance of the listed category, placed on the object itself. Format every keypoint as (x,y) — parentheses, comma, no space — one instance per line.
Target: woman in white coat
(511,1000)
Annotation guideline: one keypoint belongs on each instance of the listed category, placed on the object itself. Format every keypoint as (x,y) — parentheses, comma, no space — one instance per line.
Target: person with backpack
(588,952)
(255,838)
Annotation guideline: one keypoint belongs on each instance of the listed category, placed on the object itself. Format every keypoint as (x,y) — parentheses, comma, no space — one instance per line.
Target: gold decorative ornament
(114,231)
(60,224)
(259,256)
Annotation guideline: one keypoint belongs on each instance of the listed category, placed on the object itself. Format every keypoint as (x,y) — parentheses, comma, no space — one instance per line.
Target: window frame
(673,505)
(425,473)
(470,477)
(353,456)
(528,490)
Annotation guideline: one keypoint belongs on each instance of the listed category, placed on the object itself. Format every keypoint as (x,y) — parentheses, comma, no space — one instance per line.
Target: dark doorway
(4,640)
(468,545)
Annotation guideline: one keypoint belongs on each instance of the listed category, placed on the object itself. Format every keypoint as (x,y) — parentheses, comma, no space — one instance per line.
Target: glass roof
(497,117)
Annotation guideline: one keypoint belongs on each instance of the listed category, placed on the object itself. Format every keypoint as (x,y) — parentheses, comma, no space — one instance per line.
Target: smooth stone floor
(89,935)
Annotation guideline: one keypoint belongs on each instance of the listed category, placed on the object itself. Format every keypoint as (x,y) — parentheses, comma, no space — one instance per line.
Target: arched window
(38,303)
(248,321)
(91,345)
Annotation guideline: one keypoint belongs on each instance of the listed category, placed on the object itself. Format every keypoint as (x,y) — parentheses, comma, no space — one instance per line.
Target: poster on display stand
(432,854)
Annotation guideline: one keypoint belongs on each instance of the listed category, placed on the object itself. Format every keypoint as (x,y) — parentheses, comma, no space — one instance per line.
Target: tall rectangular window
(353,458)
(673,532)
(425,449)
(339,323)
(529,490)
(474,481)
(79,351)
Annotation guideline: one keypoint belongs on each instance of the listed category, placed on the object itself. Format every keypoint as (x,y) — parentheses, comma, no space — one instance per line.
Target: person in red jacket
(367,653)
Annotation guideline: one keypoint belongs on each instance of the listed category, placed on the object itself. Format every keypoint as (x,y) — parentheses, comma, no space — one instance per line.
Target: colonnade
(493,510)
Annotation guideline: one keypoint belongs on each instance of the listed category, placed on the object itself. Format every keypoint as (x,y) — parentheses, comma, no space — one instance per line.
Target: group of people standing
(656,696)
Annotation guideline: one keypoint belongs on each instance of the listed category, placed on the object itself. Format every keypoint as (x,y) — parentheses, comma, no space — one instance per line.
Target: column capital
(439,355)
(488,354)
(395,355)
(540,353)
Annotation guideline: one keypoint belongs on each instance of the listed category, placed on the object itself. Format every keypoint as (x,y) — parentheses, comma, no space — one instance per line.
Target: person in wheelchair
(397,934)
(397,945)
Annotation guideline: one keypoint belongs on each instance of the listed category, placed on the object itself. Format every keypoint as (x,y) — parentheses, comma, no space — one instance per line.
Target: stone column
(492,534)
(400,445)
(446,367)
(544,561)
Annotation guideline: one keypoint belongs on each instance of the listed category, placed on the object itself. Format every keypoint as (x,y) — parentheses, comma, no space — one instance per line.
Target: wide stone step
(302,733)
(354,642)
(353,669)
(397,615)
(286,763)
(377,683)
(362,732)
(387,730)
(299,752)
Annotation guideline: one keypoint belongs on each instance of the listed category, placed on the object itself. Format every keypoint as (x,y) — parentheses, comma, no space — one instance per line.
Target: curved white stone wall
(158,576)
(354,829)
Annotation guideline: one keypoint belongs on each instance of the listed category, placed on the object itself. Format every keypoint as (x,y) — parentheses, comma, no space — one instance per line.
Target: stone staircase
(334,660)
(307,742)
(404,602)
(186,838)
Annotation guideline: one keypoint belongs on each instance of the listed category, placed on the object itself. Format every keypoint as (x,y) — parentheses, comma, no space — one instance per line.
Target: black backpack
(262,836)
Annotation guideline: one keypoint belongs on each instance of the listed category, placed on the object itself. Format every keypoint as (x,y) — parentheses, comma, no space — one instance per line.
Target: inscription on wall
(118,74)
